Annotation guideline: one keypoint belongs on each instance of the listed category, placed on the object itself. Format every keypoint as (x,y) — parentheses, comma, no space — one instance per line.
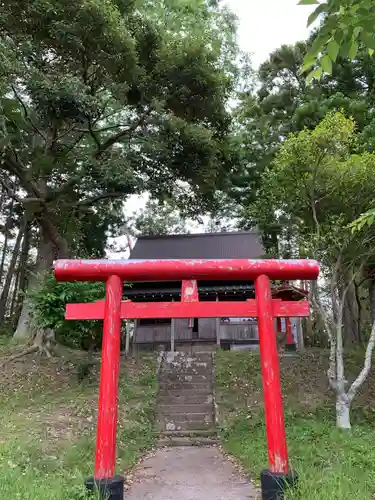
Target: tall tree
(103,99)
(285,103)
(156,219)
(312,191)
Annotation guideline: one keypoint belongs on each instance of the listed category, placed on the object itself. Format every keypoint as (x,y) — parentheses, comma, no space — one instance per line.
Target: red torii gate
(113,309)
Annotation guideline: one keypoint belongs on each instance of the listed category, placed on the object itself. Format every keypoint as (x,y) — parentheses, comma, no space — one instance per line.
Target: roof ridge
(184,235)
(236,244)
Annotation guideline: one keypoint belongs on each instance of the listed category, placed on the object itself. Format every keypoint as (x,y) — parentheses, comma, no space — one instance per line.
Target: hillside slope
(333,465)
(48,423)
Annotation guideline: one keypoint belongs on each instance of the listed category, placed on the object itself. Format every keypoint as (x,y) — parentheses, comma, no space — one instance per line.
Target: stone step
(173,392)
(185,417)
(185,379)
(195,370)
(171,356)
(189,370)
(196,433)
(185,409)
(170,425)
(184,399)
(185,386)
(188,365)
(186,441)
(188,359)
(182,377)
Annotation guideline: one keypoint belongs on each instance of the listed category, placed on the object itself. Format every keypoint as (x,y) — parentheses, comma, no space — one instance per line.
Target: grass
(48,421)
(332,464)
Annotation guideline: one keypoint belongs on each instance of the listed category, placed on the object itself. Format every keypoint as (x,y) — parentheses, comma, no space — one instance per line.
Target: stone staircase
(185,406)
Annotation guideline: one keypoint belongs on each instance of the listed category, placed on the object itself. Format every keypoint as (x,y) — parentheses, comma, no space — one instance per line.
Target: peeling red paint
(189,291)
(164,270)
(280,464)
(189,294)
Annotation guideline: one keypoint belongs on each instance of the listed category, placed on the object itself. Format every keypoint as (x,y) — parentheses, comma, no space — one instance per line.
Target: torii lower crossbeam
(156,310)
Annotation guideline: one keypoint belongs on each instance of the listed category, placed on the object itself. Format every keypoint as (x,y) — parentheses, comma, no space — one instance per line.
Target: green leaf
(367,24)
(333,50)
(353,50)
(357,30)
(309,60)
(362,11)
(326,64)
(314,15)
(319,42)
(344,48)
(371,51)
(316,73)
(308,2)
(368,40)
(338,35)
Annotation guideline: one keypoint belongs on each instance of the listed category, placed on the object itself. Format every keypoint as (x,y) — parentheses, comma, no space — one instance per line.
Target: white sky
(263,25)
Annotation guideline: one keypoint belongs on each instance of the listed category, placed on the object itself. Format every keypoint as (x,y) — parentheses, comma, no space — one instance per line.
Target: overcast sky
(263,25)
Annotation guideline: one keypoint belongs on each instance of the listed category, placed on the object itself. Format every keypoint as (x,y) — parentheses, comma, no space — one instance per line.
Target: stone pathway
(185,402)
(189,473)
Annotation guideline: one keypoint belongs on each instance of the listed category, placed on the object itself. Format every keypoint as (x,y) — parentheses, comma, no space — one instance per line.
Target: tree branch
(340,374)
(15,168)
(95,199)
(331,372)
(10,191)
(98,130)
(70,147)
(26,113)
(93,134)
(120,135)
(366,366)
(312,194)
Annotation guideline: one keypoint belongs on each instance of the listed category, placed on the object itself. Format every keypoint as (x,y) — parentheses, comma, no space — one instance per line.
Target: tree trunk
(5,250)
(10,273)
(372,298)
(351,317)
(23,275)
(15,293)
(342,412)
(47,251)
(300,336)
(7,227)
(359,309)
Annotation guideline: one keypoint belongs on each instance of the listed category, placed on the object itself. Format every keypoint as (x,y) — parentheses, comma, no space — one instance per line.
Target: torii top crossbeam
(164,270)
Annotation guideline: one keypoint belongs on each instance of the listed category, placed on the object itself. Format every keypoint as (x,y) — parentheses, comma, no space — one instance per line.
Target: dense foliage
(49,310)
(346,25)
(104,99)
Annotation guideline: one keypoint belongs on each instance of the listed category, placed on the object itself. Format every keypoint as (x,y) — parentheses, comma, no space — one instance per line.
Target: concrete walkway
(189,473)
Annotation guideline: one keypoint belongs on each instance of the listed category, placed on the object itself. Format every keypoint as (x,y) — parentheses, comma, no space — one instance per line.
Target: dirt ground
(189,473)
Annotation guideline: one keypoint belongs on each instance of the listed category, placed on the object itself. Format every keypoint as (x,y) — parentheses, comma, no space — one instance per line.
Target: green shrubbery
(49,301)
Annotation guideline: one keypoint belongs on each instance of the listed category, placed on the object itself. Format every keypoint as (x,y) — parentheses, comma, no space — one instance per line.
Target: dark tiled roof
(231,245)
